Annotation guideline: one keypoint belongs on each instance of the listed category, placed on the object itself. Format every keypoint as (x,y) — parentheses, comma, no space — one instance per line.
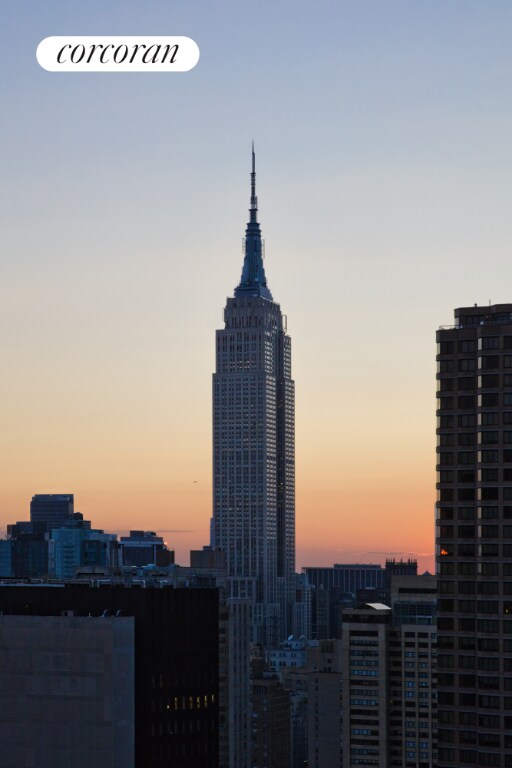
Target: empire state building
(254,445)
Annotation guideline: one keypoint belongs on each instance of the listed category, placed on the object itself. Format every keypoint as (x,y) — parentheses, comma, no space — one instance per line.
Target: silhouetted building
(325,742)
(237,684)
(207,558)
(52,509)
(253,445)
(30,556)
(25,551)
(322,617)
(145,548)
(398,568)
(382,594)
(270,722)
(346,576)
(302,625)
(296,683)
(87,671)
(474,537)
(45,547)
(234,648)
(6,548)
(336,588)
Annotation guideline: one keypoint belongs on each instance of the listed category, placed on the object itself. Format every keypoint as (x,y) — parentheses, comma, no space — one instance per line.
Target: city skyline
(383,150)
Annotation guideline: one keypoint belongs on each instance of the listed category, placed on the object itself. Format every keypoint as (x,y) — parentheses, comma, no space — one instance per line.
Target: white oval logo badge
(117,54)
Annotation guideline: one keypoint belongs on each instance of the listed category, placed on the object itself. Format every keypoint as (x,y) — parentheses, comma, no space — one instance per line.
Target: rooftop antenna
(254,200)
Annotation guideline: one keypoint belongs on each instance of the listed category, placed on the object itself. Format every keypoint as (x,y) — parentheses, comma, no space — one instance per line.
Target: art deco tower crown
(253,281)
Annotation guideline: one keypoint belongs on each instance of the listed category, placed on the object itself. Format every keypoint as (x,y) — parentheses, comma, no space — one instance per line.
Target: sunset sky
(382,134)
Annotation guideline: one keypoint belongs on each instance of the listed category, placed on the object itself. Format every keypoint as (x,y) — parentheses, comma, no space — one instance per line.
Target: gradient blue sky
(382,132)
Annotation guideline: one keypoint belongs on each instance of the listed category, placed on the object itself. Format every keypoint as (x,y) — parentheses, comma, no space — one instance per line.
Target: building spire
(253,210)
(253,281)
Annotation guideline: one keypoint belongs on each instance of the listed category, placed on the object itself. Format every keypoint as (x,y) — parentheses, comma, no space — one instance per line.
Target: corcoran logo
(117,54)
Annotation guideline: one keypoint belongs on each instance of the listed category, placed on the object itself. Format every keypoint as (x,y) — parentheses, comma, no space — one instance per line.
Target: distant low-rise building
(290,654)
(145,548)
(75,544)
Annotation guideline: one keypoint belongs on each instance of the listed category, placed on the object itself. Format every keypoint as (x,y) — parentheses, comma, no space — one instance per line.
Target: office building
(474,537)
(76,545)
(234,711)
(109,675)
(6,549)
(271,738)
(348,577)
(67,694)
(55,542)
(29,549)
(253,445)
(296,683)
(145,548)
(51,509)
(324,705)
(237,685)
(208,566)
(302,625)
(394,568)
(336,588)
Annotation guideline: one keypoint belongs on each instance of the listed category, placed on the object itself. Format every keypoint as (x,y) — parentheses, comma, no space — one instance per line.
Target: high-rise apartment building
(412,672)
(365,685)
(474,538)
(253,444)
(389,678)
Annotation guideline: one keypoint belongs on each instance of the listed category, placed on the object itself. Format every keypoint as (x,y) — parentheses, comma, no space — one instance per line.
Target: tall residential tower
(474,538)
(254,444)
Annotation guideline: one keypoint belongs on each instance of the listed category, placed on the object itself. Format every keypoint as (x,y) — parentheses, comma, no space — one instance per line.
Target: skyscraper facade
(254,444)
(474,538)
